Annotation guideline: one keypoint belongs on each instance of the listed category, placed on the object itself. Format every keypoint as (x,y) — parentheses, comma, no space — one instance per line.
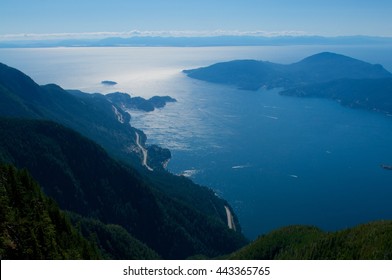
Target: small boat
(386,167)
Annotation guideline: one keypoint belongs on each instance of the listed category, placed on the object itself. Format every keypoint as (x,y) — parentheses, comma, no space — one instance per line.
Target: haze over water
(278,160)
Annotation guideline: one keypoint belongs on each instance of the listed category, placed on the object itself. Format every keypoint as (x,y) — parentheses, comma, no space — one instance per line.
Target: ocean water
(278,160)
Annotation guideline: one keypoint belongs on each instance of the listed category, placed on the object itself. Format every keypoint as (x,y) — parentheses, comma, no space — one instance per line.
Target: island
(109,83)
(349,81)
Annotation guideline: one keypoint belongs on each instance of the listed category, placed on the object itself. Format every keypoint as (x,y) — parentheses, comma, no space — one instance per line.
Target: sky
(268,17)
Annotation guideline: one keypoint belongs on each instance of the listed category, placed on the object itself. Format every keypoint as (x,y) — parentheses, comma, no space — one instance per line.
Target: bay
(278,160)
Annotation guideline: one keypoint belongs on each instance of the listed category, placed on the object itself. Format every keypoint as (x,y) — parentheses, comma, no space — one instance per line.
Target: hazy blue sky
(329,17)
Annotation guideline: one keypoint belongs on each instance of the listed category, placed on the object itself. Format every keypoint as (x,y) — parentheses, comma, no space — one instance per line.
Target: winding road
(230,219)
(144,152)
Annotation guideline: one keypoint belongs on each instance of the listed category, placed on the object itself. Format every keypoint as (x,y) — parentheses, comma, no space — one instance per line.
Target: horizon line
(167,34)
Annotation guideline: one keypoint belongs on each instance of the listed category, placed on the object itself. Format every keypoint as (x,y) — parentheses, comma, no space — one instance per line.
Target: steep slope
(93,115)
(16,91)
(32,226)
(96,117)
(113,241)
(82,178)
(368,241)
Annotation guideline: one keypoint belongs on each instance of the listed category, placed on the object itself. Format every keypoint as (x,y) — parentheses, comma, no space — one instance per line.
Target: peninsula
(126,102)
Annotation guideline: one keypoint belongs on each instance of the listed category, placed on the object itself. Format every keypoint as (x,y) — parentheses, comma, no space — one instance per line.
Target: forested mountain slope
(32,226)
(82,178)
(372,241)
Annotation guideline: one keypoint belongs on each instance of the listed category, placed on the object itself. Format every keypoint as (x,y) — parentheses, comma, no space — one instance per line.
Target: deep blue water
(285,160)
(278,160)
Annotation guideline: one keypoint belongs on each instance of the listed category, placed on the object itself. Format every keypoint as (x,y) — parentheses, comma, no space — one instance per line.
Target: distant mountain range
(197,41)
(350,81)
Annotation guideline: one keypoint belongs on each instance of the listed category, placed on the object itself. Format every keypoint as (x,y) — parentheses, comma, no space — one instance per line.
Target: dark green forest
(372,241)
(32,226)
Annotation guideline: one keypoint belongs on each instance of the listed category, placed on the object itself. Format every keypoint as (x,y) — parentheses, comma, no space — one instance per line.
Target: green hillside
(82,178)
(92,115)
(372,241)
(113,241)
(95,117)
(32,226)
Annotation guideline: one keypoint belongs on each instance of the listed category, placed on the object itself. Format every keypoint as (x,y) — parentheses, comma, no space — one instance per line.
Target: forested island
(351,82)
